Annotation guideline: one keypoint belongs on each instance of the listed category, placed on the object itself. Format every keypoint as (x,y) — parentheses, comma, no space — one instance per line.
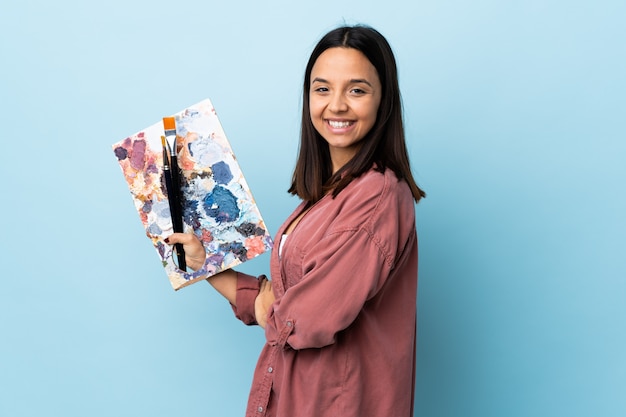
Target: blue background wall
(516,117)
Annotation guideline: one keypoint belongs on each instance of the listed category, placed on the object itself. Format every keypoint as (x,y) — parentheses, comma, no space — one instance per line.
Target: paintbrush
(174,195)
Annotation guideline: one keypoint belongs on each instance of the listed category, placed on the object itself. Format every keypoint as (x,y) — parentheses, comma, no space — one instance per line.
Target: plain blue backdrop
(515,114)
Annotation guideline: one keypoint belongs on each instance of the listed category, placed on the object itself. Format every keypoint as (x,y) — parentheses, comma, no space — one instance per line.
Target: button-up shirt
(341,332)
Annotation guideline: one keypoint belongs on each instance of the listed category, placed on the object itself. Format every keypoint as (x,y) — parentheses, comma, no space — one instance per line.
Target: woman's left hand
(263,302)
(195,254)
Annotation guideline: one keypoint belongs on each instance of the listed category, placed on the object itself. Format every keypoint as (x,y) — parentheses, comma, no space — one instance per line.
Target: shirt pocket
(292,265)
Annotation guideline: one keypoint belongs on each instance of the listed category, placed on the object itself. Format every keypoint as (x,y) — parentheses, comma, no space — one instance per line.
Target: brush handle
(174,196)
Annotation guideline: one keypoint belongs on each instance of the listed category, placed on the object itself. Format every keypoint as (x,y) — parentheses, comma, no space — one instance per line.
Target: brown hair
(384,145)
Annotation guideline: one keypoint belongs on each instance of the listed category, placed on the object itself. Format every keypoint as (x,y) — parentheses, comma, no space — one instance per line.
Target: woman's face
(343,101)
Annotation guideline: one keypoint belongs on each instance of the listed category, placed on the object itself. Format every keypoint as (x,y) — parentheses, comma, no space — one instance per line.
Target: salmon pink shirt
(341,333)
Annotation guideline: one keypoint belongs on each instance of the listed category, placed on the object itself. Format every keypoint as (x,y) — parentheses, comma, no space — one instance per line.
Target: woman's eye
(357,91)
(321,90)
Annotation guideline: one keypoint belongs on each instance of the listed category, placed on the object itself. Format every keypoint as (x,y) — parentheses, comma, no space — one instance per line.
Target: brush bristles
(169,123)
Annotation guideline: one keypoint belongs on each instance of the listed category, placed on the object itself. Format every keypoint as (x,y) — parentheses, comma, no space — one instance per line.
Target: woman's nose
(338,103)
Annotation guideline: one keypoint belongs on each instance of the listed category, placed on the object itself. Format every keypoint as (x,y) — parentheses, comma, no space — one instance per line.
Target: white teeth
(338,125)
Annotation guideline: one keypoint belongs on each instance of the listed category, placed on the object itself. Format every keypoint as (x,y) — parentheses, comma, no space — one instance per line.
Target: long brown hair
(384,145)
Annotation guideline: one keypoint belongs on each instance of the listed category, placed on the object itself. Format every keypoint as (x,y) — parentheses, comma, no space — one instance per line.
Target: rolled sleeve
(248,288)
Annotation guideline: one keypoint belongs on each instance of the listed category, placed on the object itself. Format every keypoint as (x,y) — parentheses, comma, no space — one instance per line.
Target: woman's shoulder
(381,184)
(375,192)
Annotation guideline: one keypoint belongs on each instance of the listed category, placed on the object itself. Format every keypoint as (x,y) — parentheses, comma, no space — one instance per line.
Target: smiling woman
(382,144)
(340,310)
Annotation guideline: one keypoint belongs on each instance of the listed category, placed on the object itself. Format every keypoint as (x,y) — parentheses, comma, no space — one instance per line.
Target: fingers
(265,285)
(188,240)
(184,238)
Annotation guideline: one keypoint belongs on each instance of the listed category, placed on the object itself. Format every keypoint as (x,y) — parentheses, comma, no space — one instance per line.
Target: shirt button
(270,369)
(289,324)
(260,409)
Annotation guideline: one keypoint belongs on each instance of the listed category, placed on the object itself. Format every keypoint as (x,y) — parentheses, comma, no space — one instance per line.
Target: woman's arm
(226,284)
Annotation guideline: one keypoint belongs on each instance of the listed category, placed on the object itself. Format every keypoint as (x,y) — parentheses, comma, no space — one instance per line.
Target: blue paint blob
(237,249)
(248,229)
(154,230)
(190,214)
(161,249)
(215,259)
(147,206)
(163,211)
(221,204)
(221,172)
(121,153)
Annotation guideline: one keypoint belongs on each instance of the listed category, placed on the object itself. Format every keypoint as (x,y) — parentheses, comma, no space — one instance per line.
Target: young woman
(340,311)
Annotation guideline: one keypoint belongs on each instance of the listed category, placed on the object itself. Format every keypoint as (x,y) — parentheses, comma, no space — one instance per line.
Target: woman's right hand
(263,301)
(195,254)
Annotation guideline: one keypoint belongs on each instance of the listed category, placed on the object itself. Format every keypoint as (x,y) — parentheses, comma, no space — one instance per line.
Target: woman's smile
(340,125)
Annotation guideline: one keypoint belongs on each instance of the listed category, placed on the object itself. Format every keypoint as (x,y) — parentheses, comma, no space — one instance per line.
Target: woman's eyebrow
(360,81)
(352,81)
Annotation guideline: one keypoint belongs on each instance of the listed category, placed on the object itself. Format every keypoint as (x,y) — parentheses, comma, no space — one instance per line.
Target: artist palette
(217,205)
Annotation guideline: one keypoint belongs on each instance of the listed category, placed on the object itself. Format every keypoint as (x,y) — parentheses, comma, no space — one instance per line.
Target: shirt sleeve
(341,273)
(248,288)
